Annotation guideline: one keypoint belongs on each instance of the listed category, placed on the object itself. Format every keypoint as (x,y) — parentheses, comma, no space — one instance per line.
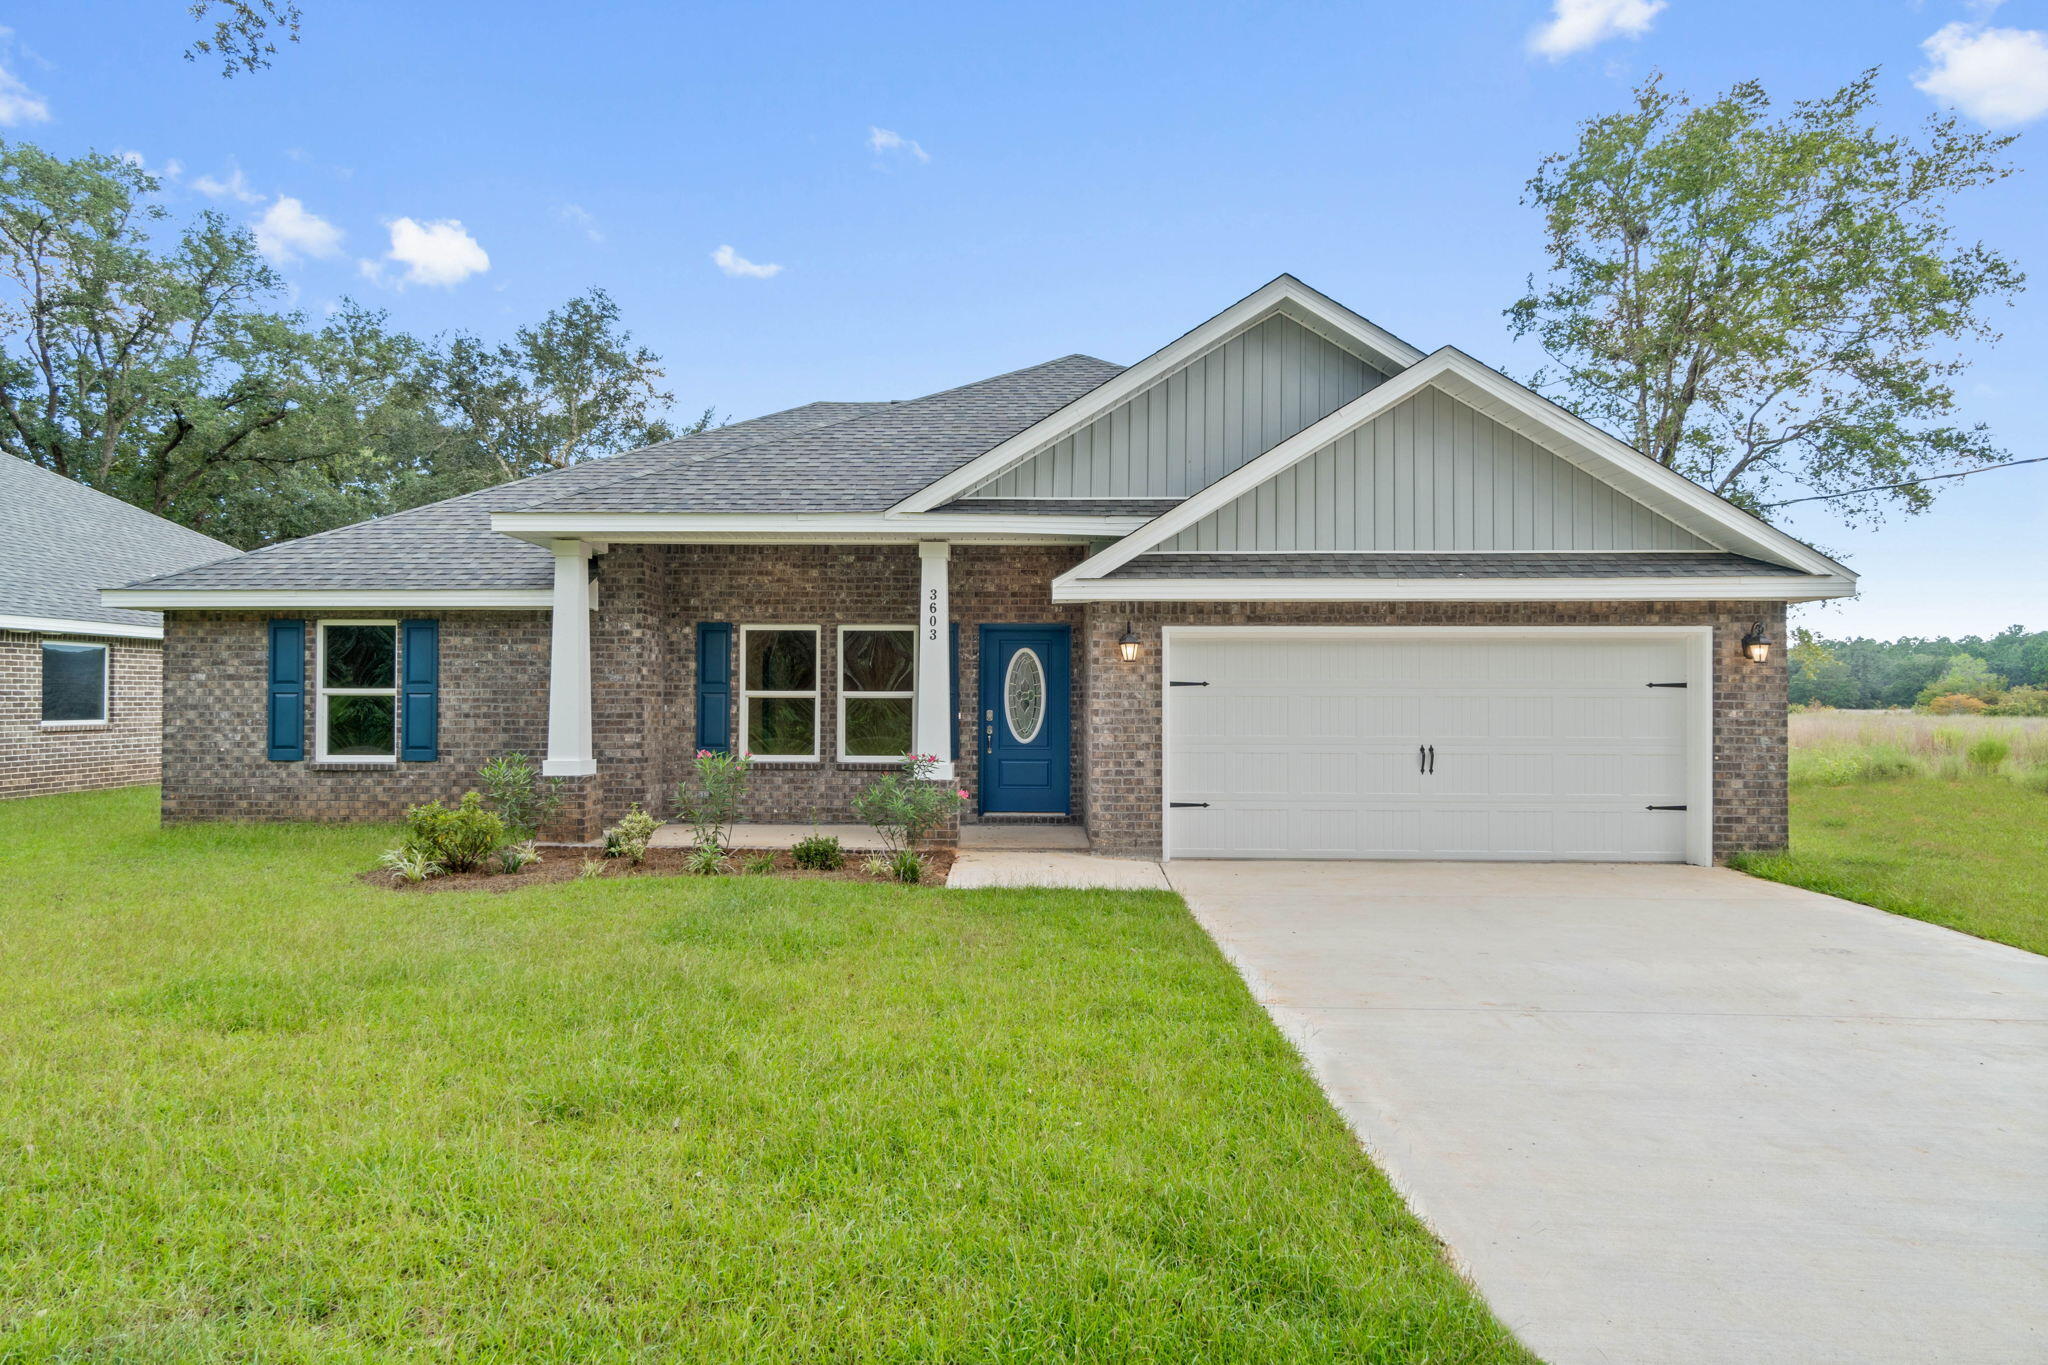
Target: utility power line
(1905,483)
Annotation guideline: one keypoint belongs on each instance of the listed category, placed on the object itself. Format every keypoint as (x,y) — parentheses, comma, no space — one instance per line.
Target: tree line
(153,361)
(2005,673)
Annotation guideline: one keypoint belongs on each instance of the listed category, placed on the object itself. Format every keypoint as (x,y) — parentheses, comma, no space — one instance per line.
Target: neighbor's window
(877,669)
(74,683)
(779,692)
(358,715)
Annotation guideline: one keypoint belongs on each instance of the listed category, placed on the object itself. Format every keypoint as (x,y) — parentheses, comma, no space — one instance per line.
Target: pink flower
(963,793)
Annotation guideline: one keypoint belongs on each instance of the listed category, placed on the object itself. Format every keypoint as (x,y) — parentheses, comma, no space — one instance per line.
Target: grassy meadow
(254,1109)
(1943,818)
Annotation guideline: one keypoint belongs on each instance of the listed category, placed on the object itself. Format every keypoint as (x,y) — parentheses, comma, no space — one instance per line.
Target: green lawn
(251,1109)
(1968,853)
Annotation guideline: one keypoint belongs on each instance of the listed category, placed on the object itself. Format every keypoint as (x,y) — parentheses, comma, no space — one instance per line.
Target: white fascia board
(542,527)
(1286,294)
(57,625)
(1601,455)
(1758,588)
(230,599)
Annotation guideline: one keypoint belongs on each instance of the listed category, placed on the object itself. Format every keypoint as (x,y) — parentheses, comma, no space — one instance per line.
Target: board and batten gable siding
(1197,424)
(1432,474)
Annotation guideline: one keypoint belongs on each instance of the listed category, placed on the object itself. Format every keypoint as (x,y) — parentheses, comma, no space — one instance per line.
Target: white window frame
(106,686)
(322,692)
(747,694)
(839,688)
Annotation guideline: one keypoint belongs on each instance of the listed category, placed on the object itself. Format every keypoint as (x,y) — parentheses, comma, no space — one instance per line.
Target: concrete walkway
(1675,1114)
(976,868)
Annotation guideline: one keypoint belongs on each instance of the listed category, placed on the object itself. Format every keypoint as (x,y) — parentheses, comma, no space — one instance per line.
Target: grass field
(1944,819)
(252,1109)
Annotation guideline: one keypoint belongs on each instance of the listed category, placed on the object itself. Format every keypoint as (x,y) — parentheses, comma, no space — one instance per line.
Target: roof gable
(1378,351)
(1490,394)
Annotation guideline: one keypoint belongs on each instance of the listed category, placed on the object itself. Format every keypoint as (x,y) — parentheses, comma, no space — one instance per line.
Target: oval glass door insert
(1024,695)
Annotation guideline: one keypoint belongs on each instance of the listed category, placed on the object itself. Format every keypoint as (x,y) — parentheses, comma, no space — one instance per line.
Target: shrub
(905,866)
(759,864)
(628,838)
(906,807)
(819,852)
(721,785)
(1965,675)
(515,857)
(461,840)
(592,869)
(408,864)
(1989,753)
(875,865)
(2022,701)
(1958,704)
(524,799)
(706,860)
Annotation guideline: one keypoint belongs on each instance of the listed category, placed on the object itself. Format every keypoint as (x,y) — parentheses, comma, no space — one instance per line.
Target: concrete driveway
(1675,1113)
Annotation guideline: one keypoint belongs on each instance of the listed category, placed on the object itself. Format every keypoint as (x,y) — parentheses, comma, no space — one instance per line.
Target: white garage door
(1337,746)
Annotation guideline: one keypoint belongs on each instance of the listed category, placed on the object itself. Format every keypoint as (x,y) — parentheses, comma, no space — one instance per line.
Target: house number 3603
(931,615)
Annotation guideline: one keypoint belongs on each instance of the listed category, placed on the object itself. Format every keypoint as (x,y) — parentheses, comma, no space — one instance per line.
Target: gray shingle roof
(867,463)
(64,542)
(1687,564)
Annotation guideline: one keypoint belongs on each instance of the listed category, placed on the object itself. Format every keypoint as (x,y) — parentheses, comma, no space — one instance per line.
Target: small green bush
(875,865)
(592,869)
(720,789)
(905,866)
(628,838)
(524,799)
(706,860)
(409,865)
(907,808)
(460,840)
(517,857)
(2022,701)
(819,853)
(1989,753)
(759,864)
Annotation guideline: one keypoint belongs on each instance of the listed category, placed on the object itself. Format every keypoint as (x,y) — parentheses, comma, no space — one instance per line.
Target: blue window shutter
(953,687)
(714,685)
(286,722)
(419,691)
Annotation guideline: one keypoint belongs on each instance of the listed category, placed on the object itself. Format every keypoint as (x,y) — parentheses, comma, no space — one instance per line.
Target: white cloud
(235,186)
(18,103)
(1998,76)
(882,141)
(1578,24)
(170,170)
(287,231)
(441,252)
(582,219)
(732,263)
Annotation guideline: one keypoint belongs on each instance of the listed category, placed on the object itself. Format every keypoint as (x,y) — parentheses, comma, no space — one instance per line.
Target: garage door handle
(1422,758)
(1663,807)
(1432,758)
(1663,684)
(1182,805)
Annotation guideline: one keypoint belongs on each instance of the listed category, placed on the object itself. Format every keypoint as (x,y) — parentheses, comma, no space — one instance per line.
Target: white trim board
(1699,708)
(1285,295)
(228,599)
(1496,396)
(825,527)
(1758,588)
(52,625)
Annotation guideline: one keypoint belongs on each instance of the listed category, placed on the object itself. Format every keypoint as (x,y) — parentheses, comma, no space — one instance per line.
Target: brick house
(1288,587)
(80,681)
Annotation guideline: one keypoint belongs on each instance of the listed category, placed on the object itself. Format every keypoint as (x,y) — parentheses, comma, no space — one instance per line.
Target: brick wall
(1124,796)
(494,688)
(35,761)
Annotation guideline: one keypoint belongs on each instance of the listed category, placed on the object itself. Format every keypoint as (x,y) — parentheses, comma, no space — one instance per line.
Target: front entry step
(1023,837)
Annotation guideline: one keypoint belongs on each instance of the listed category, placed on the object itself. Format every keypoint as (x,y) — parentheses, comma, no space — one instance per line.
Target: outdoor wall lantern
(1757,645)
(1127,644)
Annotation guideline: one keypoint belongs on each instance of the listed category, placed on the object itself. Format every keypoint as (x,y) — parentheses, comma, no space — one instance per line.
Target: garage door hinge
(1663,807)
(1663,684)
(1179,804)
(1187,684)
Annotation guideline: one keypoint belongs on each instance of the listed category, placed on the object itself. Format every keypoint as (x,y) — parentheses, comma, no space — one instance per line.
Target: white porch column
(569,748)
(933,721)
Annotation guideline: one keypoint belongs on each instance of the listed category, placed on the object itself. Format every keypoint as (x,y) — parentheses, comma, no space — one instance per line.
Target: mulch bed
(566,864)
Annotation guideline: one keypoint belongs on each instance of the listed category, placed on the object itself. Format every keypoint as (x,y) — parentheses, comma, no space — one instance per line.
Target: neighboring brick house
(1288,587)
(80,681)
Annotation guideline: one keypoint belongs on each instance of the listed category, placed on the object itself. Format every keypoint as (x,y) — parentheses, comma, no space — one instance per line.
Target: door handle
(1432,760)
(1421,758)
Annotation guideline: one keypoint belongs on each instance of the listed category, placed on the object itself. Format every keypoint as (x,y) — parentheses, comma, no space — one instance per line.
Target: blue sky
(1057,178)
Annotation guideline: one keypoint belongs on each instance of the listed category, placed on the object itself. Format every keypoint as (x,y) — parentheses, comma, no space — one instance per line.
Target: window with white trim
(877,691)
(779,693)
(74,683)
(357,717)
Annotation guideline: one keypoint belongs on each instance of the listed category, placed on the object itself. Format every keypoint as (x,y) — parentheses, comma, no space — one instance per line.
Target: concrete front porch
(1071,839)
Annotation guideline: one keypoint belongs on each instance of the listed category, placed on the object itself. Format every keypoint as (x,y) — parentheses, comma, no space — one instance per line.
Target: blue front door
(1024,720)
